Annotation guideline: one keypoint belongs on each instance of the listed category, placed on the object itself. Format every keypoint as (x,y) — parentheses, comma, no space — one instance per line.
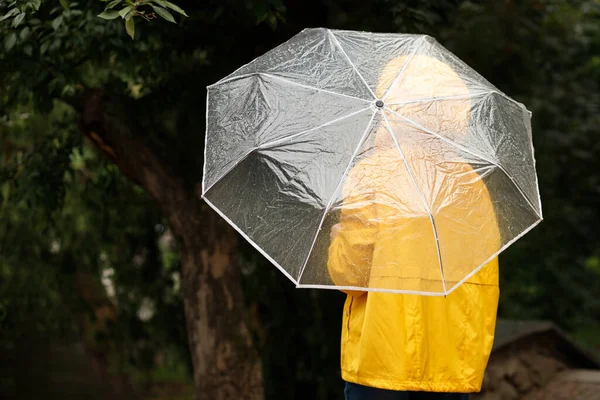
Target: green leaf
(593,264)
(56,23)
(44,47)
(272,21)
(5,194)
(65,4)
(10,14)
(28,50)
(125,11)
(164,13)
(52,85)
(168,4)
(68,90)
(6,190)
(10,41)
(109,15)
(130,27)
(112,4)
(55,45)
(24,33)
(18,19)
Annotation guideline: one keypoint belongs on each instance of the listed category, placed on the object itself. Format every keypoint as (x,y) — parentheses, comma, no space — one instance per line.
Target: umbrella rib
(373,290)
(287,138)
(339,45)
(224,174)
(337,188)
(284,80)
(233,78)
(249,239)
(496,254)
(417,47)
(284,139)
(467,150)
(205,146)
(459,96)
(414,181)
(312,87)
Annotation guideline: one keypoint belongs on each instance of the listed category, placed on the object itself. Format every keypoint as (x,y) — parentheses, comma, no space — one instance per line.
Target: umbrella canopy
(428,167)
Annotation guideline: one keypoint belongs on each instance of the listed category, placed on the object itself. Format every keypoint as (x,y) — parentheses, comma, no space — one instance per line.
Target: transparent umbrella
(369,161)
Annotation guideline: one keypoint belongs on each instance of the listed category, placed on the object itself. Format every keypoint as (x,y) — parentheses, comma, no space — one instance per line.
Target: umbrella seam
(252,242)
(205,144)
(339,45)
(499,93)
(431,219)
(537,183)
(363,289)
(495,255)
(286,138)
(285,80)
(475,94)
(337,188)
(417,47)
(271,143)
(228,170)
(229,77)
(312,87)
(467,150)
(460,96)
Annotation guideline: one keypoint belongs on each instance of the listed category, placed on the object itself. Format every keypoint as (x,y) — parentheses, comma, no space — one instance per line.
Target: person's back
(411,342)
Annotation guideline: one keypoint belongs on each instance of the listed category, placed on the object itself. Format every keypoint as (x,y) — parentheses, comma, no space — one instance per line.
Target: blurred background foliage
(88,262)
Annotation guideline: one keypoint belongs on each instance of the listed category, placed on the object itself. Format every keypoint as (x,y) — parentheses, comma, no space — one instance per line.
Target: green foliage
(420,16)
(77,240)
(129,9)
(139,8)
(270,11)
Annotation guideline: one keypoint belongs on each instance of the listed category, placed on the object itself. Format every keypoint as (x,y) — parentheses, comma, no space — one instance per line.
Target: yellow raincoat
(403,341)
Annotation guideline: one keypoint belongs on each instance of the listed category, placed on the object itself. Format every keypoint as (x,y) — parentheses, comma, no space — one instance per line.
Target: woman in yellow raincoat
(406,346)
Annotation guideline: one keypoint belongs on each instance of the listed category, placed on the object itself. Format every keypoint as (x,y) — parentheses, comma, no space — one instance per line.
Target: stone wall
(522,367)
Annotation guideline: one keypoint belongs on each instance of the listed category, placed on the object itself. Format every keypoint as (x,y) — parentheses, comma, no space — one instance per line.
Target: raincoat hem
(418,386)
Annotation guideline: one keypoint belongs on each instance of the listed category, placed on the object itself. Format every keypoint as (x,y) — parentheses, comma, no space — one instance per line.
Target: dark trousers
(358,392)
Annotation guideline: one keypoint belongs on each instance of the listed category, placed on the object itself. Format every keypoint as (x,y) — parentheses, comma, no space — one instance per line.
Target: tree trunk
(226,364)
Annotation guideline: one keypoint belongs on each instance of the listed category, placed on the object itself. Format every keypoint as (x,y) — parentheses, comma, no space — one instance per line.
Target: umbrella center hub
(379,103)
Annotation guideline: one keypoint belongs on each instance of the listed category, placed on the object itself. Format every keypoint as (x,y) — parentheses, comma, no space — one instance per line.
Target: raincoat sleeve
(351,251)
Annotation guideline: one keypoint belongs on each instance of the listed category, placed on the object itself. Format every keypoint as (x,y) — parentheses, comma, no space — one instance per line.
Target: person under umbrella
(407,346)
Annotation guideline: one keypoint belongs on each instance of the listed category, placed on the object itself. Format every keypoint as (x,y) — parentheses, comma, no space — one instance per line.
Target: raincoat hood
(430,79)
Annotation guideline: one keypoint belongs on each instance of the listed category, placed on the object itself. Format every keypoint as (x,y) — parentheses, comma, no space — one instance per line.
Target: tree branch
(106,122)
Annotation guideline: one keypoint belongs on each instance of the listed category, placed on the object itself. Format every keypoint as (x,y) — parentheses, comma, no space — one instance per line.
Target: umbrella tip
(379,103)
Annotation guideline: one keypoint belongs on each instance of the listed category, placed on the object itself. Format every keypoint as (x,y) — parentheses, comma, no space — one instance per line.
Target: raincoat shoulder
(403,341)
